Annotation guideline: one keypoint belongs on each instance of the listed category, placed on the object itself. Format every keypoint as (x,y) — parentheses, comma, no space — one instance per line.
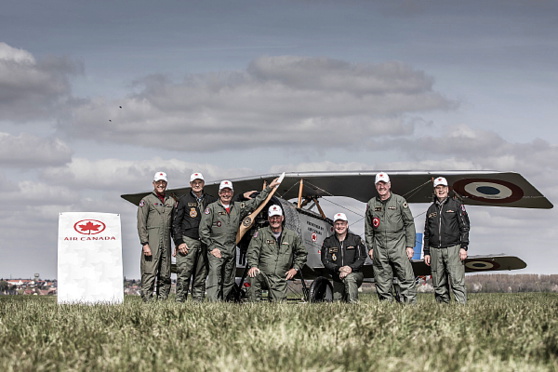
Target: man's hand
(427,259)
(146,250)
(216,252)
(371,254)
(462,254)
(183,248)
(253,272)
(410,252)
(274,183)
(344,271)
(290,274)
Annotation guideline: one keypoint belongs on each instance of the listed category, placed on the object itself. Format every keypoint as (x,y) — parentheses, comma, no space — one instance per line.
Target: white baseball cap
(196,176)
(274,210)
(226,184)
(440,181)
(340,216)
(160,176)
(381,177)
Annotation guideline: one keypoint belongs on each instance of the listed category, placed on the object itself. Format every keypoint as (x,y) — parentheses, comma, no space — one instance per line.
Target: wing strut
(300,190)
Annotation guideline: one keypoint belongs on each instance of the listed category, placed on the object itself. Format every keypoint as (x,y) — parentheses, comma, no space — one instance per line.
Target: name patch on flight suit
(193,213)
(433,214)
(192,204)
(350,247)
(450,211)
(217,223)
(269,241)
(221,213)
(377,209)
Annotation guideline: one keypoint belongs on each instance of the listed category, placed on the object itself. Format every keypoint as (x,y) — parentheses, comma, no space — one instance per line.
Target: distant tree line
(501,283)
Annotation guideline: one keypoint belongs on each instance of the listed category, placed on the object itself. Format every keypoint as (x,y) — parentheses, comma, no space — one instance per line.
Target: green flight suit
(154,228)
(218,230)
(274,258)
(389,229)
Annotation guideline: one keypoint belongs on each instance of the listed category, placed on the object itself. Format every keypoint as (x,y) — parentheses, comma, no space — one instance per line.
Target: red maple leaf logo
(90,227)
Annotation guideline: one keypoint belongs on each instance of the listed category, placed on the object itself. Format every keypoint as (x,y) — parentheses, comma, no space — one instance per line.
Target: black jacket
(447,224)
(336,254)
(187,216)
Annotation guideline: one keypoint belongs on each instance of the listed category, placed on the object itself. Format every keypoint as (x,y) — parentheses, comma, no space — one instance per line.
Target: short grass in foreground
(494,332)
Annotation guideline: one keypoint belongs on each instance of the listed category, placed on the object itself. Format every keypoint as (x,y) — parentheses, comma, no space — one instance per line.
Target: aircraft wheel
(321,290)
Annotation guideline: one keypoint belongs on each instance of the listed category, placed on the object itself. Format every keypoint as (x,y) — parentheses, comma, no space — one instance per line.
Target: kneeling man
(275,255)
(343,254)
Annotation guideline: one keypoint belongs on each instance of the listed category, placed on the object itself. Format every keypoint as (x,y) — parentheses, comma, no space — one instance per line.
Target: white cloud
(30,151)
(30,89)
(277,102)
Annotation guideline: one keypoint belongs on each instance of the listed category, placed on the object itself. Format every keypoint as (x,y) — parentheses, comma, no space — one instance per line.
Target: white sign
(90,266)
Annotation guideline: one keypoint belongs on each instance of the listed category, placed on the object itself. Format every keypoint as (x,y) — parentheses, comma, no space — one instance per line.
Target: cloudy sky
(97,96)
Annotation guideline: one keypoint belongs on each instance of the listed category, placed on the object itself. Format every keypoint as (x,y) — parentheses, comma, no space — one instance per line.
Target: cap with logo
(196,176)
(160,176)
(382,177)
(274,210)
(340,217)
(440,181)
(226,184)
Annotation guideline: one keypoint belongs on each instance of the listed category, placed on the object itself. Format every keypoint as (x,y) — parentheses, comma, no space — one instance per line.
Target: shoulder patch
(207,211)
(405,205)
(256,234)
(463,207)
(142,203)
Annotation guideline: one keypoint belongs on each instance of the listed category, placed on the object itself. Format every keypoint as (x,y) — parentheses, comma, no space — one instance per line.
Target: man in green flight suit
(154,229)
(390,237)
(218,227)
(274,256)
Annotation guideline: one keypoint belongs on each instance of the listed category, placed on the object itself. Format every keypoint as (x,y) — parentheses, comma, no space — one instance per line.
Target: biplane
(299,195)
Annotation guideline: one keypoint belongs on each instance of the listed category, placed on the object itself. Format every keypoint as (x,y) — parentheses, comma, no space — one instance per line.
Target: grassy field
(494,332)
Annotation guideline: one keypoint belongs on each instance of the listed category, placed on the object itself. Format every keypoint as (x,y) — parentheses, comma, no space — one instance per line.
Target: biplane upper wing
(487,188)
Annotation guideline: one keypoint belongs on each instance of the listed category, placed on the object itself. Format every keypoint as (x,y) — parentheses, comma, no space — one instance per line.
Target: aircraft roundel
(376,222)
(479,265)
(487,190)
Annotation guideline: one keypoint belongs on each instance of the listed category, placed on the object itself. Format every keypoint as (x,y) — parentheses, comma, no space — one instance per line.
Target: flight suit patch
(433,214)
(450,211)
(142,203)
(333,257)
(207,211)
(350,247)
(269,241)
(376,222)
(405,205)
(333,250)
(192,204)
(377,209)
(391,207)
(217,223)
(193,213)
(221,213)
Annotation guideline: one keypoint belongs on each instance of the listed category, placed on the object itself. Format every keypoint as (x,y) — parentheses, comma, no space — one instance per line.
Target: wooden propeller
(248,221)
